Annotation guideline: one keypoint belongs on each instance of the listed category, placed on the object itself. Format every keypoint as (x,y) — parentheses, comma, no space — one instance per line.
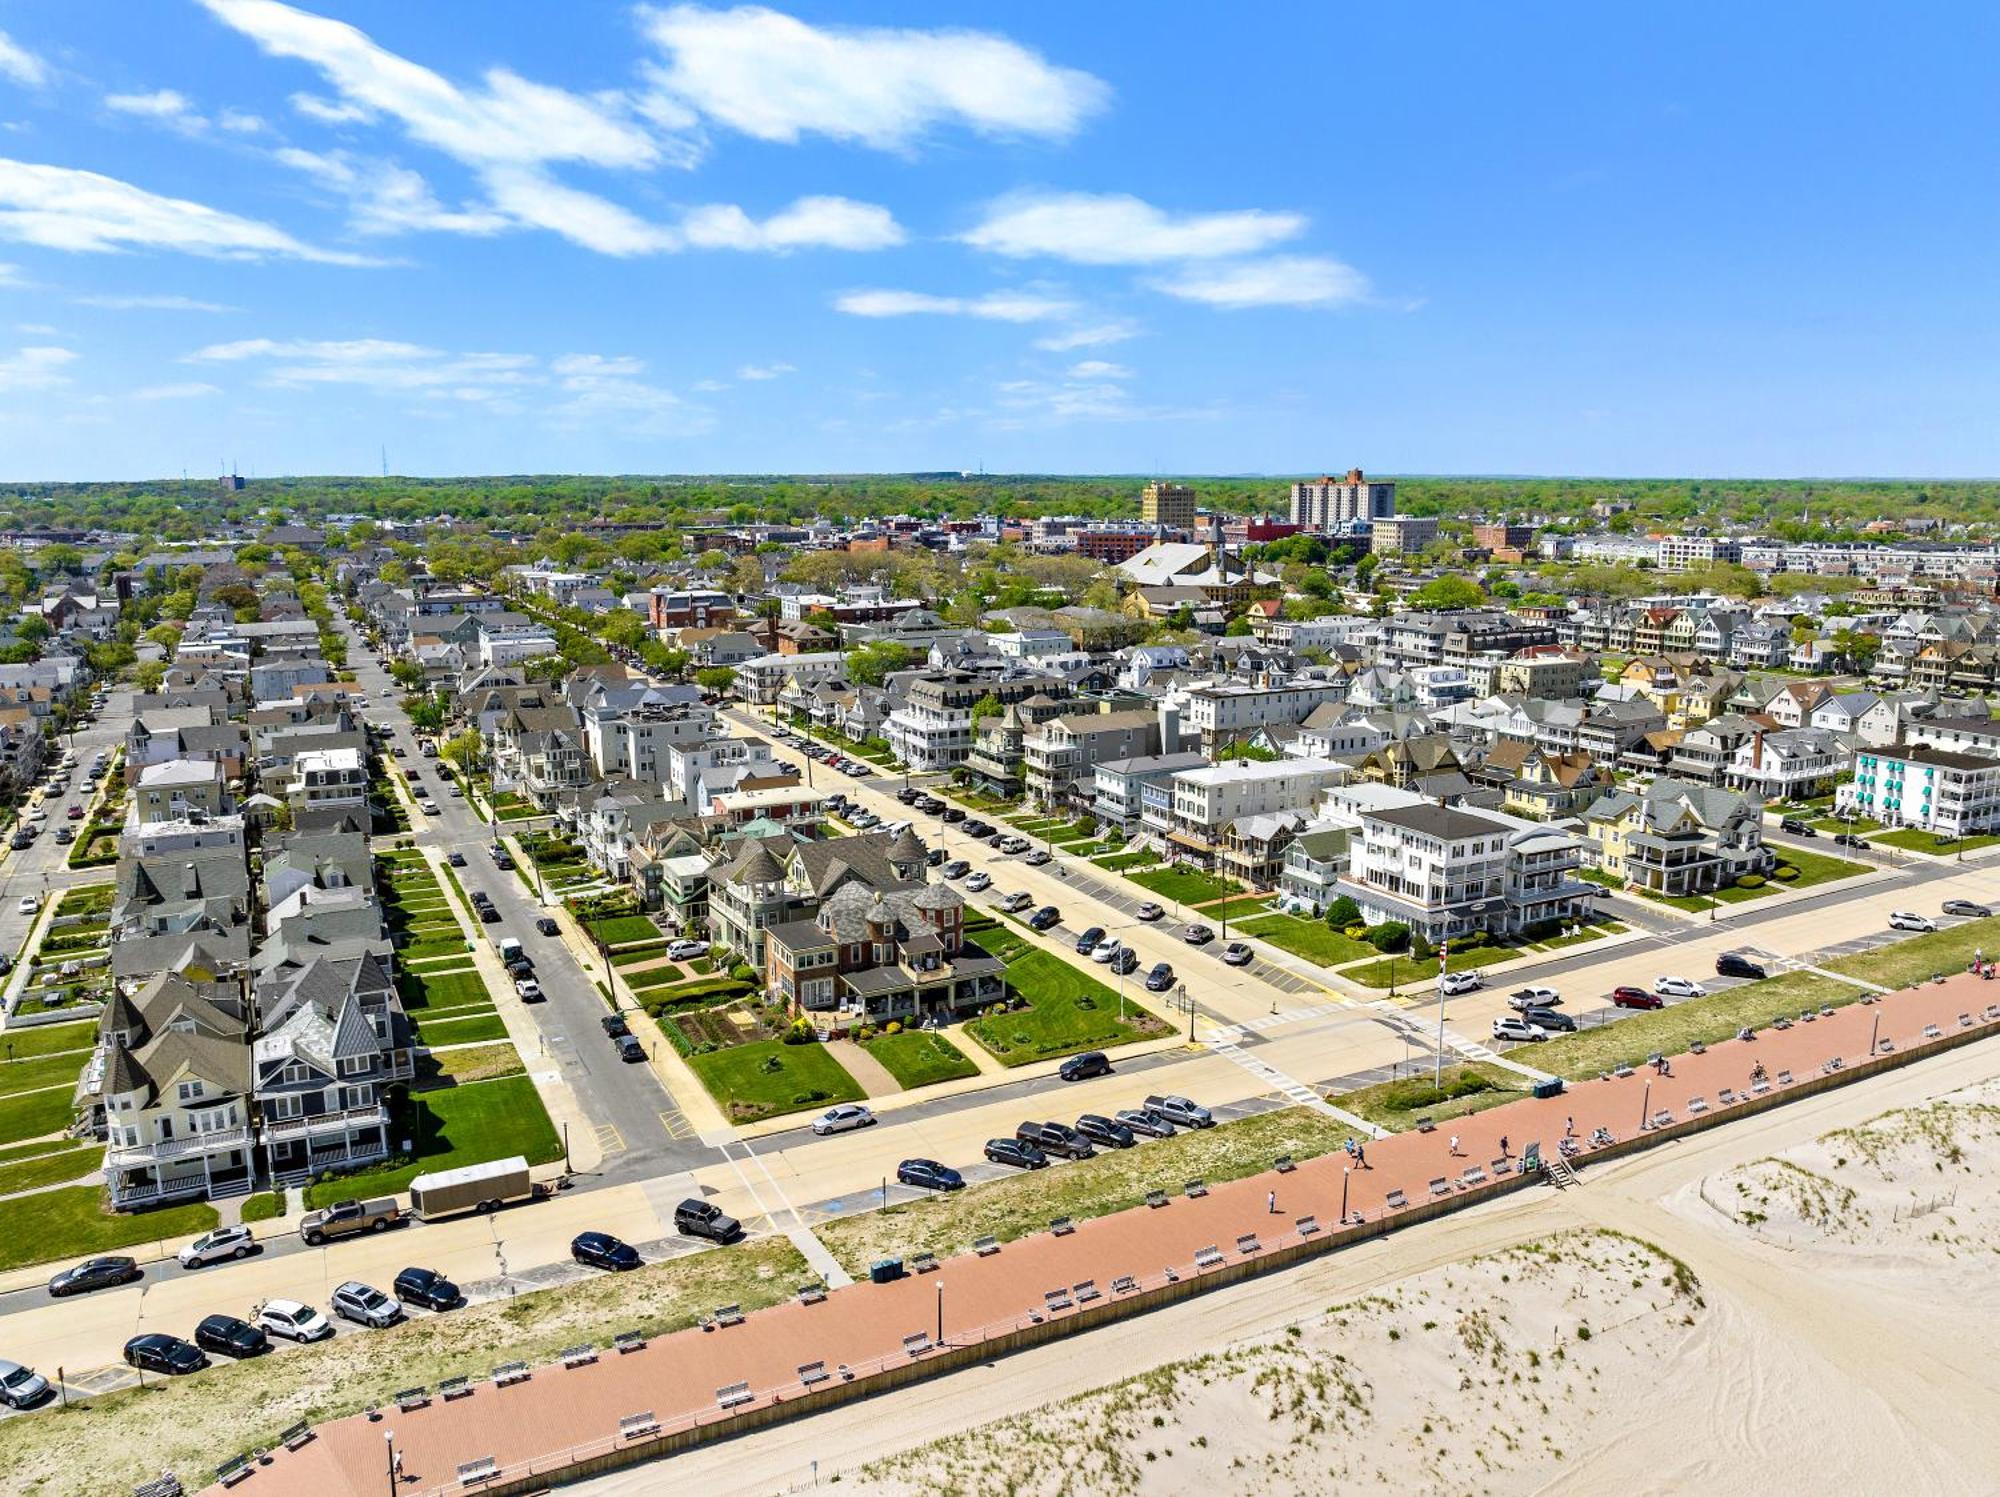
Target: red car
(74,813)
(1636,998)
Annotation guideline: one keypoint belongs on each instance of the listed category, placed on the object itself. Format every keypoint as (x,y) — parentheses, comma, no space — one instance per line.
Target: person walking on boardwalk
(1453,1150)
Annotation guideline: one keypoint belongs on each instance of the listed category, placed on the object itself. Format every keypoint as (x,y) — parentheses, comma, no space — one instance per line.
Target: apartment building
(1060,757)
(1202,803)
(1118,785)
(1792,764)
(1401,535)
(1679,552)
(1943,791)
(326,777)
(932,729)
(1337,503)
(1677,838)
(1232,710)
(1978,736)
(760,680)
(1444,872)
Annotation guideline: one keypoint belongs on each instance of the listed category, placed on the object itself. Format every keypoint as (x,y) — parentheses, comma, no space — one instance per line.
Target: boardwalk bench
(1932,1032)
(412,1398)
(917,1343)
(1784,1078)
(727,1315)
(1284,1164)
(1501,1168)
(1662,1118)
(1156,1198)
(626,1341)
(736,1395)
(813,1373)
(924,1261)
(579,1356)
(1207,1257)
(1697,1106)
(1305,1226)
(809,1294)
(471,1473)
(1993,1010)
(509,1373)
(986,1247)
(1760,1087)
(168,1485)
(455,1387)
(1062,1226)
(1057,1299)
(233,1470)
(1196,1189)
(1470,1176)
(1086,1291)
(1248,1244)
(638,1426)
(1396,1200)
(1125,1284)
(1725,1098)
(1965,1021)
(1440,1187)
(300,1434)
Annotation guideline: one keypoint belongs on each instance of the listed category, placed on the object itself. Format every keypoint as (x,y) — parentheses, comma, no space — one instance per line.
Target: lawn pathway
(873,1076)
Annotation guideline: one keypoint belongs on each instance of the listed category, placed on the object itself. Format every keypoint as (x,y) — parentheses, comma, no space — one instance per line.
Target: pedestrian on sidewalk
(1271,1203)
(1361,1155)
(1453,1150)
(1569,1127)
(1503,1146)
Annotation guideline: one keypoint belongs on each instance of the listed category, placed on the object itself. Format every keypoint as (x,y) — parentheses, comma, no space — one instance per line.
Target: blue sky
(508,237)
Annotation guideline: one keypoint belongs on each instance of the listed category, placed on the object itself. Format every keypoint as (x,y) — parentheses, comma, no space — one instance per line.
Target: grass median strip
(766,1078)
(1112,1181)
(65,1163)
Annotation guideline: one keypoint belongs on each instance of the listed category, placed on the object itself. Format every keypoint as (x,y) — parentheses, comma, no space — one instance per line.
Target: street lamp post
(389,1440)
(1346,1176)
(1646,1104)
(940,1313)
(1437,1070)
(1188,1004)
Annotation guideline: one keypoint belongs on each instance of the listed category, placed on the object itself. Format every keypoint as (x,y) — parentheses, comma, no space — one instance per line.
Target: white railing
(322,1122)
(128,1155)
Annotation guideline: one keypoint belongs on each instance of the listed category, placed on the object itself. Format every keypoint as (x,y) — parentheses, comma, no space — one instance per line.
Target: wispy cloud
(386,198)
(151,303)
(21,65)
(35,368)
(777,78)
(166,106)
(59,207)
(995,306)
(765,371)
(812,222)
(1098,369)
(1283,281)
(1097,335)
(192,390)
(1117,229)
(380,363)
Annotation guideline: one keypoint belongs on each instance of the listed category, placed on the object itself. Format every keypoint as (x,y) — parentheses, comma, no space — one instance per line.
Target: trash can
(1553,1087)
(885,1270)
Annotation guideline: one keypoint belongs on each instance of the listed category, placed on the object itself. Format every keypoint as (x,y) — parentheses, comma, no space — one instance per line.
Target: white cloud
(531,196)
(38,329)
(21,65)
(192,390)
(1098,369)
(776,78)
(35,368)
(331,111)
(60,207)
(996,306)
(765,371)
(387,198)
(597,366)
(600,390)
(10,275)
(151,303)
(1097,335)
(709,386)
(1117,229)
(811,222)
(1284,281)
(376,363)
(241,122)
(161,104)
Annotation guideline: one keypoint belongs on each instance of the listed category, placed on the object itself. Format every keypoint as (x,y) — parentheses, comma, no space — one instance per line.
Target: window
(188,1091)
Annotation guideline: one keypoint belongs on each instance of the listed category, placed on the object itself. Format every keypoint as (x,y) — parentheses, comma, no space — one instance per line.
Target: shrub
(1472,939)
(1343,912)
(743,972)
(1356,931)
(894,1026)
(1750,881)
(807,1098)
(1390,935)
(771,1064)
(1786,871)
(1420,947)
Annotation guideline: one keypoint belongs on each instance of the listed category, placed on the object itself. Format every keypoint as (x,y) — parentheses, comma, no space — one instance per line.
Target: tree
(33,628)
(149,675)
(987,706)
(1343,912)
(871,664)
(426,714)
(406,674)
(715,679)
(464,749)
(1448,592)
(1238,627)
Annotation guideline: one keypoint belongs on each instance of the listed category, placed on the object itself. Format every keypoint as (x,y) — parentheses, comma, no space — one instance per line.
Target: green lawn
(457,1029)
(32,1075)
(1911,839)
(1188,885)
(1841,824)
(1314,940)
(1067,1010)
(443,990)
(919,1057)
(616,930)
(74,1224)
(68,1163)
(48,1039)
(1916,960)
(266,1205)
(1407,969)
(1246,908)
(768,1077)
(1119,861)
(1398,1105)
(457,1126)
(31,1114)
(423,951)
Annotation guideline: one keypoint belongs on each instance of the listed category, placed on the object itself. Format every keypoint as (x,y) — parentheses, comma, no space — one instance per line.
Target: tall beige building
(1168,504)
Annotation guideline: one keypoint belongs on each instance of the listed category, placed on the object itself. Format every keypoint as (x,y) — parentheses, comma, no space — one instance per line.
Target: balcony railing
(127,1156)
(278,1129)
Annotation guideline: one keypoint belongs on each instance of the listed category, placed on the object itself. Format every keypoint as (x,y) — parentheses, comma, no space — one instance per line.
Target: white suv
(223,1242)
(292,1320)
(1518,1029)
(1454,983)
(1911,920)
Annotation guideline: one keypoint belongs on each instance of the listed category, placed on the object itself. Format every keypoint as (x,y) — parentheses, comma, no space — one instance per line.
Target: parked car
(1103,952)
(95,1273)
(1087,942)
(976,880)
(629,1048)
(956,868)
(1454,983)
(614,1025)
(27,904)
(1149,911)
(222,1242)
(1160,978)
(64,836)
(1055,1138)
(1679,987)
(1017,1152)
(952,815)
(457,859)
(427,1287)
(226,1336)
(23,1387)
(1197,935)
(978,831)
(1016,902)
(681,951)
(349,1219)
(908,795)
(1911,920)
(428,806)
(928,1174)
(74,813)
(1179,1111)
(1733,964)
(698,1218)
(1848,839)
(1046,918)
(1797,827)
(602,1250)
(1145,1122)
(529,990)
(1082,1067)
(934,857)
(1551,1020)
(1106,1131)
(502,859)
(842,1119)
(1966,907)
(547,926)
(364,1304)
(1127,960)
(1013,843)
(1513,1027)
(1534,998)
(292,1320)
(488,915)
(154,1352)
(1237,954)
(1625,997)
(1037,858)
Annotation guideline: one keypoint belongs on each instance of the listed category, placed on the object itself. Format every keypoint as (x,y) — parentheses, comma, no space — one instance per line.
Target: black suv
(1160,978)
(1126,961)
(1549,1019)
(694,1218)
(1047,917)
(602,1250)
(227,1336)
(1087,942)
(615,1025)
(1055,1138)
(1797,827)
(547,926)
(1106,1131)
(1083,1067)
(427,1287)
(1730,964)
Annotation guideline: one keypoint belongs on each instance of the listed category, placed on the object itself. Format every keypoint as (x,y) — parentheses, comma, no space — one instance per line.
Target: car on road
(221,1242)
(22,839)
(105,1272)
(1237,954)
(64,836)
(74,813)
(364,1304)
(428,806)
(22,1387)
(292,1320)
(976,880)
(934,857)
(454,791)
(908,795)
(681,951)
(1018,900)
(1629,997)
(1848,839)
(1082,1067)
(1145,1122)
(1679,987)
(1046,918)
(1966,907)
(952,815)
(1735,964)
(1514,1027)
(1454,983)
(427,1287)
(1126,961)
(842,1119)
(1108,1132)
(698,1218)
(502,859)
(1160,977)
(930,805)
(1013,842)
(1911,920)
(978,831)
(155,1352)
(1017,1152)
(547,926)
(956,868)
(1551,1020)
(487,914)
(530,991)
(226,1336)
(1797,827)
(1534,998)
(629,1048)
(1197,935)
(1181,1112)
(40,813)
(1103,949)
(27,904)
(602,1250)
(1038,858)
(615,1025)
(928,1174)
(1055,1138)
(1149,911)
(457,859)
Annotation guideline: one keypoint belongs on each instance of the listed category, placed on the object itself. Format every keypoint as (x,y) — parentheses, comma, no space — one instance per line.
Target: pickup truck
(346,1218)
